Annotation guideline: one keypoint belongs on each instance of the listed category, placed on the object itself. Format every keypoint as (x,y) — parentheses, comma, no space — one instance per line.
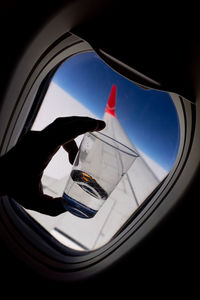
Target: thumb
(66,129)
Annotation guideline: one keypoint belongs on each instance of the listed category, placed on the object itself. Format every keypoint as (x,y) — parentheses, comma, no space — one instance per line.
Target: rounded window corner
(66,260)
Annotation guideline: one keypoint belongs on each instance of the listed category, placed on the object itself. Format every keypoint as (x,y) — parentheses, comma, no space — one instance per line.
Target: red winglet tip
(110,108)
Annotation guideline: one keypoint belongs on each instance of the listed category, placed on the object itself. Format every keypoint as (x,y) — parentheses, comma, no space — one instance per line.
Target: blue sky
(149,117)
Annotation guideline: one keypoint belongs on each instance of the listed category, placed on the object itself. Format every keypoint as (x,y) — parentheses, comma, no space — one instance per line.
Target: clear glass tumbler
(99,166)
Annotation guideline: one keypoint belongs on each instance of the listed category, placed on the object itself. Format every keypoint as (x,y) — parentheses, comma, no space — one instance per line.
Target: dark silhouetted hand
(22,167)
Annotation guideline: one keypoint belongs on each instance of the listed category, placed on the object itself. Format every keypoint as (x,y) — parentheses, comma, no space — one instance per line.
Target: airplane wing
(142,177)
(135,186)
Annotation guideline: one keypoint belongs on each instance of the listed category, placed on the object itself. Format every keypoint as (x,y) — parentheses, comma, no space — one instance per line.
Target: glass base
(78,209)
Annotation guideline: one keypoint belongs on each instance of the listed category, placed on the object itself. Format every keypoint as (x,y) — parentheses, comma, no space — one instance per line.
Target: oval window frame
(55,261)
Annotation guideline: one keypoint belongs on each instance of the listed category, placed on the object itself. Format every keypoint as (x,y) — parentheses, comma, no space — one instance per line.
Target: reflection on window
(146,119)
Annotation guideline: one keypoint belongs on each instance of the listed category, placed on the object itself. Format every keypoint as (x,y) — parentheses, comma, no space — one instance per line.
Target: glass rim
(131,153)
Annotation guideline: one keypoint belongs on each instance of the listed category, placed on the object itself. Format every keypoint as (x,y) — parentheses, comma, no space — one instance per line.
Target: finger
(72,150)
(49,206)
(64,130)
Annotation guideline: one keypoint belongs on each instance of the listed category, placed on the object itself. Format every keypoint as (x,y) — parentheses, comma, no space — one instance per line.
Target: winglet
(110,108)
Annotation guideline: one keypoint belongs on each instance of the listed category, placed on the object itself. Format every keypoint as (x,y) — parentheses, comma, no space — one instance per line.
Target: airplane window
(143,119)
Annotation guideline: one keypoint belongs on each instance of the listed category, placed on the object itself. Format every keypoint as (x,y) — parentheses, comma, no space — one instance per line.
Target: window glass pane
(144,118)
